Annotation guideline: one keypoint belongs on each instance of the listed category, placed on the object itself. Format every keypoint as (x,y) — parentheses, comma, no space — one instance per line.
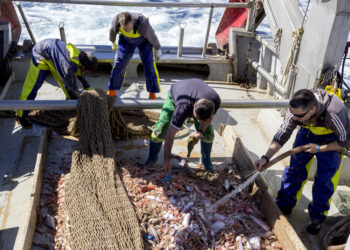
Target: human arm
(114,29)
(272,150)
(315,148)
(84,82)
(168,144)
(202,127)
(146,30)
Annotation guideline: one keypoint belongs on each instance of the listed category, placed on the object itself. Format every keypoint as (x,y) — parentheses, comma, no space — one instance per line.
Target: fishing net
(125,124)
(100,215)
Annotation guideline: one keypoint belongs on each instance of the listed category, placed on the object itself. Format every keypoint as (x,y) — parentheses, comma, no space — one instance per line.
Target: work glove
(114,46)
(158,54)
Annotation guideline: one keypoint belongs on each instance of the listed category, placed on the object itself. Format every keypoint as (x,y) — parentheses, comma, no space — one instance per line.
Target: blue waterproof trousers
(125,51)
(326,178)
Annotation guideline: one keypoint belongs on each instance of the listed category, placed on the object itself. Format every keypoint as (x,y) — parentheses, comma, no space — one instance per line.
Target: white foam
(89,24)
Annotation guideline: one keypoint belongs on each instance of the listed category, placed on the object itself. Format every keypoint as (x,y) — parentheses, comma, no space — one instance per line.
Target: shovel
(293,152)
(255,174)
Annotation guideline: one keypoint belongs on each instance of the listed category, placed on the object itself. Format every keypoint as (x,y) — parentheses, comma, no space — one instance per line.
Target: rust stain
(6,214)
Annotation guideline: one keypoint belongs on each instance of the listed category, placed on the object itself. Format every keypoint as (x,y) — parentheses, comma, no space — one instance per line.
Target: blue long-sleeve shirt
(65,59)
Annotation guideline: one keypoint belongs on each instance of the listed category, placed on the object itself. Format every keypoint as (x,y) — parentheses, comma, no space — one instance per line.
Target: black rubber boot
(154,148)
(25,123)
(205,157)
(285,210)
(314,227)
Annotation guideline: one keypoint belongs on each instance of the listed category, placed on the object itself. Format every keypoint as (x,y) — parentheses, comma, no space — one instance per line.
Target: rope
(277,42)
(298,35)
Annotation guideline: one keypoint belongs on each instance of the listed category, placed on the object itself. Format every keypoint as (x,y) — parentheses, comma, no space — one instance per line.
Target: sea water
(89,24)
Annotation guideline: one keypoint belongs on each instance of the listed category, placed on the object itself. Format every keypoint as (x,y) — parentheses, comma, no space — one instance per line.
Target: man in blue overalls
(324,128)
(64,61)
(135,31)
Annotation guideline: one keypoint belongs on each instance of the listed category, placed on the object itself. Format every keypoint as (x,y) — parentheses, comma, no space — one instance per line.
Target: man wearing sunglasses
(324,128)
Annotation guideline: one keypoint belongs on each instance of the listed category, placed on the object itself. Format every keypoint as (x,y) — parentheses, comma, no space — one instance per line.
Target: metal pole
(250,23)
(147,4)
(207,33)
(233,51)
(62,33)
(181,40)
(26,22)
(138,104)
(269,78)
(131,104)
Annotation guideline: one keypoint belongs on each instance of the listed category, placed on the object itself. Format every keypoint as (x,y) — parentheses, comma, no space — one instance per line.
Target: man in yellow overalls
(64,61)
(134,31)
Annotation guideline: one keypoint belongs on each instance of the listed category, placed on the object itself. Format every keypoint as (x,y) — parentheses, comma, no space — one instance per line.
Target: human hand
(114,46)
(196,137)
(312,148)
(167,165)
(260,163)
(158,54)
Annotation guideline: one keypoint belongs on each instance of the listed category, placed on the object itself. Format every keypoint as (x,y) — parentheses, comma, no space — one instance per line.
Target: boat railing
(213,5)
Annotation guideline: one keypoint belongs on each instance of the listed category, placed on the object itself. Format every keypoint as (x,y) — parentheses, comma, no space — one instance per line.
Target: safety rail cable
(6,105)
(141,4)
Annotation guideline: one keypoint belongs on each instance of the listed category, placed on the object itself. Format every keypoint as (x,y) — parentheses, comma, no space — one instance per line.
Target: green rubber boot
(154,148)
(205,158)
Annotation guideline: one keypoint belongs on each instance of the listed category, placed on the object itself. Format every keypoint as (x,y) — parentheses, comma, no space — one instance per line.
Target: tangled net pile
(125,124)
(100,214)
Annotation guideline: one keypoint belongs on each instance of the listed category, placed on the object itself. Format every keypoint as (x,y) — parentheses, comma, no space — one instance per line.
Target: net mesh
(100,214)
(125,124)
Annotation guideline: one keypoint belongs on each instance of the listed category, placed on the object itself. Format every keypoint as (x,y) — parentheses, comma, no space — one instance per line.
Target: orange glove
(112,92)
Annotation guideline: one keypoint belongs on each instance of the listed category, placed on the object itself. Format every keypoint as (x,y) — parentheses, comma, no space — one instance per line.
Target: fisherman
(324,128)
(186,98)
(135,31)
(64,61)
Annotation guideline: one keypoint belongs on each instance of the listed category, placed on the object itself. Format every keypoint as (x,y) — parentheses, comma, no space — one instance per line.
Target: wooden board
(30,222)
(283,230)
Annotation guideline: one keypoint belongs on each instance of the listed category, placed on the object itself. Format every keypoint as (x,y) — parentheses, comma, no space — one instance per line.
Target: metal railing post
(62,33)
(26,22)
(250,23)
(181,39)
(208,30)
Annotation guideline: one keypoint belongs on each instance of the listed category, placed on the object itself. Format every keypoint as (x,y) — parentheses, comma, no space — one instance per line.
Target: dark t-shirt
(185,93)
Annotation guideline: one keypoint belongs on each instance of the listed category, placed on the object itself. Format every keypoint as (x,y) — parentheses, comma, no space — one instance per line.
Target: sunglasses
(300,115)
